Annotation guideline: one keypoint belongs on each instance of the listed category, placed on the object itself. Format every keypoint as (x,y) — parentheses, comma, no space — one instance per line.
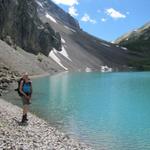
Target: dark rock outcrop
(19,22)
(7,76)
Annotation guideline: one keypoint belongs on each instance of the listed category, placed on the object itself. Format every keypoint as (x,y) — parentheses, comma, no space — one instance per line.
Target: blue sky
(108,19)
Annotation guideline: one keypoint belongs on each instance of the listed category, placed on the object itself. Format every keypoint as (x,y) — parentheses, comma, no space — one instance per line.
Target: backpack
(17,89)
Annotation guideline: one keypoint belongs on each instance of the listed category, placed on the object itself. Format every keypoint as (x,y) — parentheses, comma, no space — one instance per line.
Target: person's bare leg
(25,109)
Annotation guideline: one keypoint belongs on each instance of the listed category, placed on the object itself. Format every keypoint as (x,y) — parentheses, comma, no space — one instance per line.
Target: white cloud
(114,13)
(67,2)
(86,18)
(103,19)
(73,11)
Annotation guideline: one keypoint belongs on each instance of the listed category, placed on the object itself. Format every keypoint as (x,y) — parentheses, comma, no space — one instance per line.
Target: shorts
(25,101)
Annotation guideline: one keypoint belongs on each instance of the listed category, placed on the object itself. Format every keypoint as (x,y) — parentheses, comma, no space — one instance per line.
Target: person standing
(26,91)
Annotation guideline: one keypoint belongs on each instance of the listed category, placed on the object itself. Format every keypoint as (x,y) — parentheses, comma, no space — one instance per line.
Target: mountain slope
(143,34)
(40,26)
(85,51)
(57,12)
(21,61)
(138,42)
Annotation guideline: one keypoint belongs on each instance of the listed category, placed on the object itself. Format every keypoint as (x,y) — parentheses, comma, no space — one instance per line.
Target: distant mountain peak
(135,34)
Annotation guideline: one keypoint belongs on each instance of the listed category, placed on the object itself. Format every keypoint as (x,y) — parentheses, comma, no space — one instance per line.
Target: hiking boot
(23,119)
(26,119)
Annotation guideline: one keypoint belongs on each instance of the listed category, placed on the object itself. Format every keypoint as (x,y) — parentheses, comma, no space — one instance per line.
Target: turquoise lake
(108,111)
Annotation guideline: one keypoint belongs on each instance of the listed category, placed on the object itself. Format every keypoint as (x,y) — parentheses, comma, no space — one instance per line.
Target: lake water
(109,111)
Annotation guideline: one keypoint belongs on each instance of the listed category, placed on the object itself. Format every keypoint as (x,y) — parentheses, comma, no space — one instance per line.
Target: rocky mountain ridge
(138,43)
(47,6)
(137,40)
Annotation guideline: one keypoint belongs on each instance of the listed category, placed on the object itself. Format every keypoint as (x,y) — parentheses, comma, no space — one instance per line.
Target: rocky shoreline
(38,134)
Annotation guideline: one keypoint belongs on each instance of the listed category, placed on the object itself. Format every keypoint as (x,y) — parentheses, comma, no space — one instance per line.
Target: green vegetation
(138,43)
(141,65)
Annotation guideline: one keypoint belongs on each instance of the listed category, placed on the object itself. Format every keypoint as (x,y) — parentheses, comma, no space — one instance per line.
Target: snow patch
(53,55)
(88,69)
(69,28)
(117,45)
(124,48)
(64,53)
(40,27)
(105,44)
(40,4)
(51,18)
(106,69)
(63,41)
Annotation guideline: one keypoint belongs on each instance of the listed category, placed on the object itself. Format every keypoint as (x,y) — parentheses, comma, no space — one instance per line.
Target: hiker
(25,89)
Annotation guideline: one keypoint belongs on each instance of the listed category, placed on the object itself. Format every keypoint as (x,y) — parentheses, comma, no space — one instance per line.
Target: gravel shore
(37,135)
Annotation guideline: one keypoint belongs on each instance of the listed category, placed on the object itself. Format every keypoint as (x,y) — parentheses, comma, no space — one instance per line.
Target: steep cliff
(20,25)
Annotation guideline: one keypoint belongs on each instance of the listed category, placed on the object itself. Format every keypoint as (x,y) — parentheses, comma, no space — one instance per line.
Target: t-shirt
(26,88)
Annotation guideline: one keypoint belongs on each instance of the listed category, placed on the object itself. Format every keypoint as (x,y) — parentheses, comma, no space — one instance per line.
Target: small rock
(5,68)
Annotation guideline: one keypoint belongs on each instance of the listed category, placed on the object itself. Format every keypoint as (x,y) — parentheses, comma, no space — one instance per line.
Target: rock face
(6,77)
(20,25)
